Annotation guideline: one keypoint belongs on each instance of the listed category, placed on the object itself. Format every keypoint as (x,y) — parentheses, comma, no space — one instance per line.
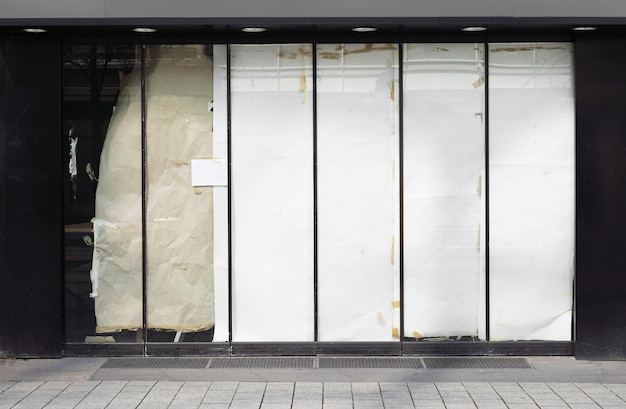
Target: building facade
(255,178)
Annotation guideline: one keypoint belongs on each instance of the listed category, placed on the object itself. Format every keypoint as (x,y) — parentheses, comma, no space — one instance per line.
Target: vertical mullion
(230,193)
(315,238)
(401,187)
(487,292)
(144,200)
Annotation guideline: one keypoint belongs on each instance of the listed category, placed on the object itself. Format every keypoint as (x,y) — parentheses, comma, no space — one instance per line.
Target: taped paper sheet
(444,250)
(209,172)
(272,187)
(179,218)
(532,191)
(357,191)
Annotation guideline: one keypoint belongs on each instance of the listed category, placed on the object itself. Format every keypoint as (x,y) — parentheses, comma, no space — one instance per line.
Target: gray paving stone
(553,403)
(583,405)
(337,406)
(214,406)
(460,406)
(307,404)
(607,400)
(25,386)
(522,406)
(366,387)
(518,400)
(275,405)
(490,405)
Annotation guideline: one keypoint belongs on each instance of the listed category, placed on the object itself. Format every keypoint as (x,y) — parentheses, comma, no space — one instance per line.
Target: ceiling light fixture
(144,30)
(474,29)
(585,28)
(254,29)
(35,30)
(364,29)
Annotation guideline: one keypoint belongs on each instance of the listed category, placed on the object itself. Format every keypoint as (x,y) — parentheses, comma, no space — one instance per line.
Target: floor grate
(476,363)
(263,363)
(155,363)
(321,363)
(382,363)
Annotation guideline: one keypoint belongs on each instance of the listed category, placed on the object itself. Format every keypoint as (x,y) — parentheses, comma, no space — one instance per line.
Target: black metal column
(30,186)
(600,69)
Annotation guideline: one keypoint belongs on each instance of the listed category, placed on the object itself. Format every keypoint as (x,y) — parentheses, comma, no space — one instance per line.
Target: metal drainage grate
(476,363)
(262,363)
(155,363)
(383,363)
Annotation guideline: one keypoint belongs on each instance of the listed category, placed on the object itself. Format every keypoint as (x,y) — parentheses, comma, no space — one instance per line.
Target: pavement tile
(554,403)
(522,406)
(368,405)
(272,405)
(214,406)
(490,405)
(55,385)
(450,386)
(337,406)
(366,387)
(309,395)
(25,386)
(577,399)
(307,405)
(608,400)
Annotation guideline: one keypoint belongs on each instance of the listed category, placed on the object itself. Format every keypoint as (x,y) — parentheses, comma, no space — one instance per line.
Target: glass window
(444,201)
(358,190)
(272,192)
(532,191)
(102,120)
(179,212)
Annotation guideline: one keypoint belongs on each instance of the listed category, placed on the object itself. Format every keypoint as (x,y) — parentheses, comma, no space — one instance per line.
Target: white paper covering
(357,192)
(272,191)
(444,201)
(532,191)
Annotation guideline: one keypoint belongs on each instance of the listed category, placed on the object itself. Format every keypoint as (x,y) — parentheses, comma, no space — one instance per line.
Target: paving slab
(82,383)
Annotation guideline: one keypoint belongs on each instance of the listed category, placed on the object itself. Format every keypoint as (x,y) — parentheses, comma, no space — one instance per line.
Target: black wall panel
(3,288)
(31,262)
(601,197)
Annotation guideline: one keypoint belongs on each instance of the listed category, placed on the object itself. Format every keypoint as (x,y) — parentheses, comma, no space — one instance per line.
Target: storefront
(299,186)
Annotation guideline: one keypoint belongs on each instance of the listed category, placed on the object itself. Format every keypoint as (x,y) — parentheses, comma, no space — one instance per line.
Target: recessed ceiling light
(35,30)
(585,28)
(254,29)
(364,29)
(144,30)
(474,29)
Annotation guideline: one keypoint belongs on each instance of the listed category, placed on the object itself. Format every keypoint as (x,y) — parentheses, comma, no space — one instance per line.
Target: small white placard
(209,172)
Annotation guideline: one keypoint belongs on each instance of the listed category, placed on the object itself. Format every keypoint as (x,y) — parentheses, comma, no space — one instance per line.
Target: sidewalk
(547,382)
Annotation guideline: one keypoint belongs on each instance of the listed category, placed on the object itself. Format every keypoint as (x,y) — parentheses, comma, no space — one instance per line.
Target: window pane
(272,192)
(179,214)
(444,246)
(357,191)
(532,191)
(102,118)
